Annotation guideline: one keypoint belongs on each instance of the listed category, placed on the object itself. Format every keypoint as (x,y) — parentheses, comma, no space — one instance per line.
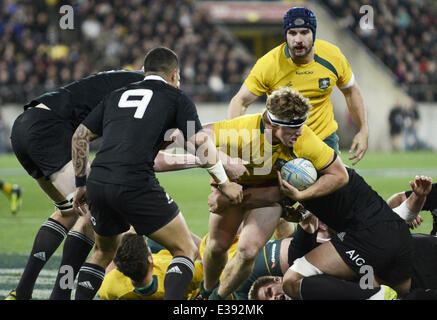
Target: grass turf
(387,173)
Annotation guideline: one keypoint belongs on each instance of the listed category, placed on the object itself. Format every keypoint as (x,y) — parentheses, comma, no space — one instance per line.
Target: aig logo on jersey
(355,257)
(324,83)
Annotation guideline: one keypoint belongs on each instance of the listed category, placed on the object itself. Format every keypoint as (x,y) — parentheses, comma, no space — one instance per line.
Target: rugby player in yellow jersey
(265,142)
(139,274)
(313,67)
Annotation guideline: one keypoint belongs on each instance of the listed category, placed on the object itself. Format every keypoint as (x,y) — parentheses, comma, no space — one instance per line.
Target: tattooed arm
(80,153)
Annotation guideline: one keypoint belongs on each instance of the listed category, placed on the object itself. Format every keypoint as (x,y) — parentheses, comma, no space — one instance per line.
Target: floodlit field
(387,173)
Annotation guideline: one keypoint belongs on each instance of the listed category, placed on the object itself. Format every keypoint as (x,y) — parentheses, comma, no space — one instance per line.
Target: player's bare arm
(208,155)
(240,102)
(172,162)
(80,153)
(234,167)
(259,197)
(80,149)
(333,177)
(410,208)
(164,161)
(355,103)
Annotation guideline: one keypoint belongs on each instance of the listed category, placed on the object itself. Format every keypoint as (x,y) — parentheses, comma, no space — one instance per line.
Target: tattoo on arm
(80,149)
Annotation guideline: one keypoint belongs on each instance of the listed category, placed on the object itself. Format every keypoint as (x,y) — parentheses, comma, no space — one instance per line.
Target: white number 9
(141,105)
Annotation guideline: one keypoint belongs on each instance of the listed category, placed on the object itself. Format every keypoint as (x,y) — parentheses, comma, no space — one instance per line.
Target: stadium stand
(39,56)
(404,37)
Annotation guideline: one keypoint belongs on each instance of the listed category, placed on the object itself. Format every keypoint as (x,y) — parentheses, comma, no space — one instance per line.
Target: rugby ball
(299,172)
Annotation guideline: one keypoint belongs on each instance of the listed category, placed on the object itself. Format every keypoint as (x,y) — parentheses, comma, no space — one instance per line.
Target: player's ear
(174,77)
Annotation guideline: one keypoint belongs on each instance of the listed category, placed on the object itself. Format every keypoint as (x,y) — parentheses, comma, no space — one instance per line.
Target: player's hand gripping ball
(299,172)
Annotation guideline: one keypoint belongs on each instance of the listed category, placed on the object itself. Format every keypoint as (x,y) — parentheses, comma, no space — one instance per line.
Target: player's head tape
(300,17)
(293,123)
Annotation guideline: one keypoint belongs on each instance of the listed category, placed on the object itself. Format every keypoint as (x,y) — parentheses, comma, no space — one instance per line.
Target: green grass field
(387,173)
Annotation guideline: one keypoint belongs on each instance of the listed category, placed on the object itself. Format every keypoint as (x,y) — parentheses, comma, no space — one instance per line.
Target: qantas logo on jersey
(304,72)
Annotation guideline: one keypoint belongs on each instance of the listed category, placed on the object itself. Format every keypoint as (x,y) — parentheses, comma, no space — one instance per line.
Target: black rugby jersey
(74,101)
(133,122)
(354,206)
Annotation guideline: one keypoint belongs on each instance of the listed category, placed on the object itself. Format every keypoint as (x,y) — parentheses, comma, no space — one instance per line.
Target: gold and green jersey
(117,286)
(246,138)
(314,80)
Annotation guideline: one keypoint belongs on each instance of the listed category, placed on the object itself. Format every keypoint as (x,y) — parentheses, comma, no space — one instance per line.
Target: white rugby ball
(299,172)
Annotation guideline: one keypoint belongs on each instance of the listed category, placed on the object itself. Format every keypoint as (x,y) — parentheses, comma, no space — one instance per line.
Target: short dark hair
(257,285)
(161,61)
(131,257)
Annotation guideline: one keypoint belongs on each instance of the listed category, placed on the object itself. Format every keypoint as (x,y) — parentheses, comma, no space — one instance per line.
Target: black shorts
(114,208)
(41,141)
(385,246)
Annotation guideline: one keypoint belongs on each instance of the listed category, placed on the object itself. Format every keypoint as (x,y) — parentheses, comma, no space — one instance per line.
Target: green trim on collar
(149,289)
(326,64)
(261,126)
(287,53)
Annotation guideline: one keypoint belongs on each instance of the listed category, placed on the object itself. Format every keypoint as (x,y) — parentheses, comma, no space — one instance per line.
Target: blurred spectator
(396,122)
(404,38)
(4,139)
(39,56)
(411,118)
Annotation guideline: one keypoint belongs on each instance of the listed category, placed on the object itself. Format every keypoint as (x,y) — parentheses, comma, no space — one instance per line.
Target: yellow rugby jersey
(117,286)
(314,80)
(244,137)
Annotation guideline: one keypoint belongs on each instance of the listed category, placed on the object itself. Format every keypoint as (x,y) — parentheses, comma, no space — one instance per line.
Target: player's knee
(83,225)
(184,247)
(66,218)
(189,250)
(217,247)
(248,252)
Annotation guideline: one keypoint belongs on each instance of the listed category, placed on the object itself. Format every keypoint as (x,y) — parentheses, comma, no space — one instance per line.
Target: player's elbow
(342,179)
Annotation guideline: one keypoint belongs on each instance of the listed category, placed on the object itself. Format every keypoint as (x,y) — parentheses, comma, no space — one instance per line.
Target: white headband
(294,123)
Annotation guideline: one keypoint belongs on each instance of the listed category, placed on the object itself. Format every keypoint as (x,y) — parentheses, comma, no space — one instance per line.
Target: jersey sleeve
(257,81)
(345,76)
(226,132)
(94,120)
(187,119)
(311,147)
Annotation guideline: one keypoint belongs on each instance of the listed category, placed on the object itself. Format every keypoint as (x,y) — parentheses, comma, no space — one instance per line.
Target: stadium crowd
(404,37)
(38,55)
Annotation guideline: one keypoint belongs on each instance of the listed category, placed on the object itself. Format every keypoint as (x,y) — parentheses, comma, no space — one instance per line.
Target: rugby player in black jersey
(41,140)
(372,239)
(369,233)
(122,188)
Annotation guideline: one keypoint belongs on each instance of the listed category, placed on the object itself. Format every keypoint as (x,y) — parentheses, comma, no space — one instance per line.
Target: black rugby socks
(178,277)
(77,246)
(89,280)
(49,237)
